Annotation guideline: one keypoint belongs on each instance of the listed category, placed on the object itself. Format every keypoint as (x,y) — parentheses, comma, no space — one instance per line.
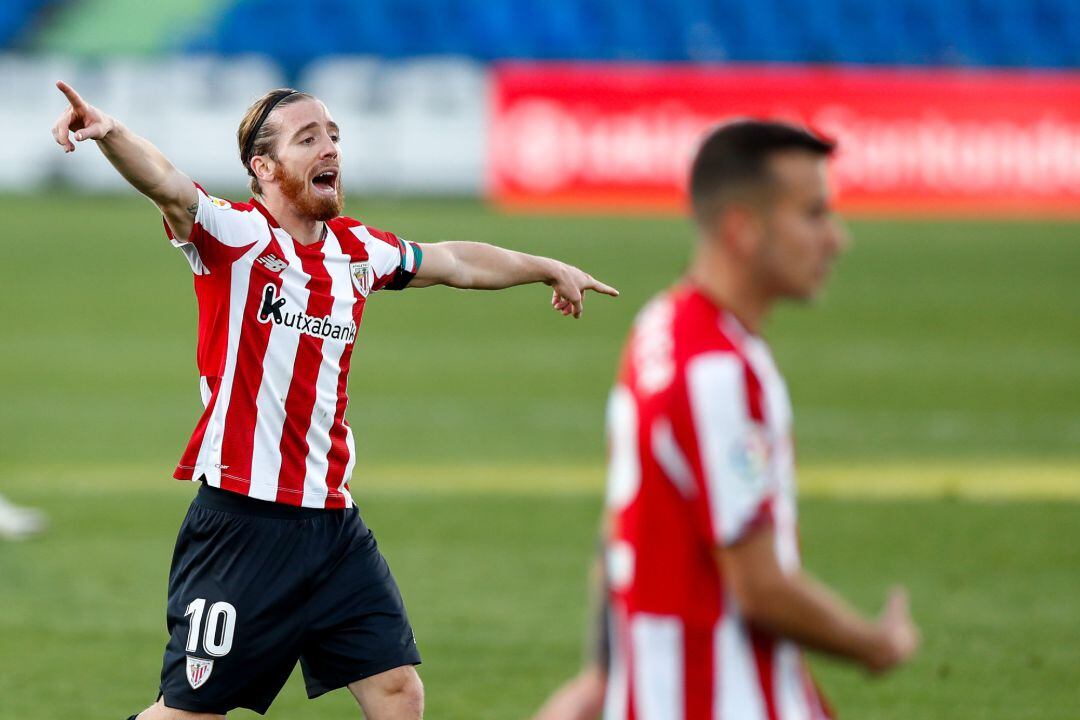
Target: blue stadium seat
(16,16)
(912,32)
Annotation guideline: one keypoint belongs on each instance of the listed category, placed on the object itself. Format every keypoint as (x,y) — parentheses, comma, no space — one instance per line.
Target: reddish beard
(298,192)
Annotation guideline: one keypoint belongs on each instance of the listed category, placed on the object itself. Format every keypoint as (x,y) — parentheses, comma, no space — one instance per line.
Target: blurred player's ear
(738,229)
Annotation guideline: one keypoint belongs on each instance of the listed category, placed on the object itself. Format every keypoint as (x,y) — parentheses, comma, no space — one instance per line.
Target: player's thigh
(358,627)
(158,711)
(396,694)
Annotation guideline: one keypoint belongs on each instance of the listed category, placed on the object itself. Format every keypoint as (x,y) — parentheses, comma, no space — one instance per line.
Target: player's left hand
(570,284)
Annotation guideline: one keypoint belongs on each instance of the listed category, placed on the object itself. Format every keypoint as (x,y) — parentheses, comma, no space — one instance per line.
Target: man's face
(307,167)
(800,237)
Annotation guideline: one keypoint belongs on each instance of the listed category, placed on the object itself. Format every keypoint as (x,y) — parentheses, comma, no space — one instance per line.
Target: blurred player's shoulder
(672,328)
(684,318)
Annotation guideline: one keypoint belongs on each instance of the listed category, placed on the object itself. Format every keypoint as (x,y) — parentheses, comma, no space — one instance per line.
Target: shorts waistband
(214,498)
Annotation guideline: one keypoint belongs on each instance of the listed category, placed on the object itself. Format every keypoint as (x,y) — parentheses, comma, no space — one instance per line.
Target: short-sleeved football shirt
(700,438)
(277,326)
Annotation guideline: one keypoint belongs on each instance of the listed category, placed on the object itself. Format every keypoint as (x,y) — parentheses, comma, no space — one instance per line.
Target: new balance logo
(272,262)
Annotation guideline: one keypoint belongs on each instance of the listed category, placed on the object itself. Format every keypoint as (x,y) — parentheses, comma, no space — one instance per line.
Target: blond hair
(256,135)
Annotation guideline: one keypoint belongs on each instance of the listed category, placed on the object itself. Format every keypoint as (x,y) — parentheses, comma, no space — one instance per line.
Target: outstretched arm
(140,163)
(478,266)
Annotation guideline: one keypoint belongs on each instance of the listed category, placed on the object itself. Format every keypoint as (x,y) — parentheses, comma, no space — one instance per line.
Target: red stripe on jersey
(754,394)
(387,237)
(191,454)
(238,442)
(300,402)
(212,296)
(815,699)
(763,517)
(698,672)
(338,456)
(764,658)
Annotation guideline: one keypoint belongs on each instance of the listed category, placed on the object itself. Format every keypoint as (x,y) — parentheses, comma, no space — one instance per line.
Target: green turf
(938,343)
(492,583)
(945,340)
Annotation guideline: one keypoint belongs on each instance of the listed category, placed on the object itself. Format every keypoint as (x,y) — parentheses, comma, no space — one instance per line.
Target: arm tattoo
(193,209)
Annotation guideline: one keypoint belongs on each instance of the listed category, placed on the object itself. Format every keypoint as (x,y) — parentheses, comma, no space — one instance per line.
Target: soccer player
(19,523)
(273,563)
(709,609)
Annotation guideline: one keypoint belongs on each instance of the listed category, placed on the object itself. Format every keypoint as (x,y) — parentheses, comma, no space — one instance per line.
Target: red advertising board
(620,137)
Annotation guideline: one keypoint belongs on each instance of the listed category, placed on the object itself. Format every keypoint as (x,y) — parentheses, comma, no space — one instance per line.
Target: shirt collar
(266,213)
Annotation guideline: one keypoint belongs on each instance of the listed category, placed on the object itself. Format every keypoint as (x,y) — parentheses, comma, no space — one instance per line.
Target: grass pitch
(938,378)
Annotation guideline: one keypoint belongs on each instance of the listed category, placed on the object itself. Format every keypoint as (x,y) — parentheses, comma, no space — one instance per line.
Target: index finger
(73,97)
(602,288)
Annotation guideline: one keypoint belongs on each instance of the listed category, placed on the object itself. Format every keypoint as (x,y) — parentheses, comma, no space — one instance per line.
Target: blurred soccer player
(273,563)
(709,609)
(19,523)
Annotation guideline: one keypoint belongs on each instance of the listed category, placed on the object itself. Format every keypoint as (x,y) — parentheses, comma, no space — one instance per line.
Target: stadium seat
(16,16)
(912,32)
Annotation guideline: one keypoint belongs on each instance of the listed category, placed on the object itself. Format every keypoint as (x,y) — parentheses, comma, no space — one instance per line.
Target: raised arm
(796,606)
(478,266)
(135,158)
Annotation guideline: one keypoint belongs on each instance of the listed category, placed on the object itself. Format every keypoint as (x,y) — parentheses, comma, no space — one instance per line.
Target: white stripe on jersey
(617,695)
(380,253)
(193,257)
(317,463)
(657,659)
(669,456)
(778,411)
(624,465)
(716,385)
(738,695)
(371,245)
(790,696)
(351,445)
(277,378)
(209,459)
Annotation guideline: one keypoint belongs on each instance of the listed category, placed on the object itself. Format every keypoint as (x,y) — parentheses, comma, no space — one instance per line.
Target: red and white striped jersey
(699,432)
(277,325)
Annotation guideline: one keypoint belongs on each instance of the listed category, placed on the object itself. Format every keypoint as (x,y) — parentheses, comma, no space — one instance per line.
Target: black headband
(249,146)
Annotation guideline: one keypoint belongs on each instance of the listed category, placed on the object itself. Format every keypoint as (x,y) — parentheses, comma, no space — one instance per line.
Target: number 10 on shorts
(220,625)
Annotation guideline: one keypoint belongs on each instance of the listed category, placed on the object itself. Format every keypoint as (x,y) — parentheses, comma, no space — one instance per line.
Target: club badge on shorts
(362,277)
(198,671)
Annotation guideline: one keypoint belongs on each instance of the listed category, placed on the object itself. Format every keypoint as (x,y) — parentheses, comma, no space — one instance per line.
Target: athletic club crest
(362,277)
(198,671)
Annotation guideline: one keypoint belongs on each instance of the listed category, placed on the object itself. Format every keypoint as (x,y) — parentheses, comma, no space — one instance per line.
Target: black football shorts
(256,586)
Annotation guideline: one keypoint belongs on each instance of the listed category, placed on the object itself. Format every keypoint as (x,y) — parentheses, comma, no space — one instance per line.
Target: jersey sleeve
(222,232)
(736,479)
(394,261)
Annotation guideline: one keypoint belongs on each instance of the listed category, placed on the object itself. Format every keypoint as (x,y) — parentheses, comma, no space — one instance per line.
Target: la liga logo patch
(198,671)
